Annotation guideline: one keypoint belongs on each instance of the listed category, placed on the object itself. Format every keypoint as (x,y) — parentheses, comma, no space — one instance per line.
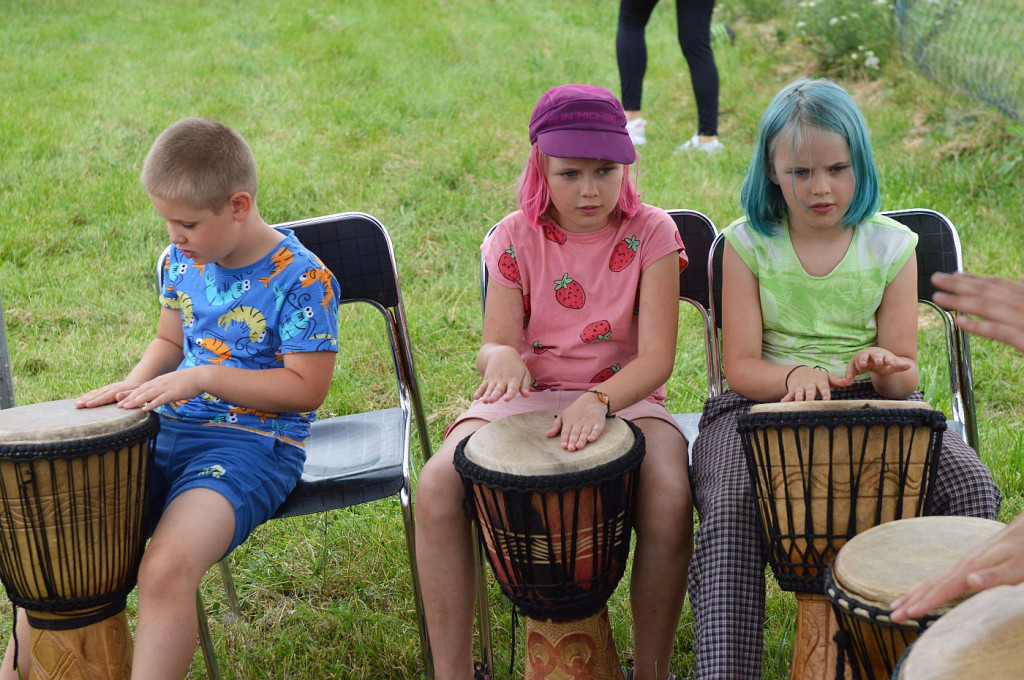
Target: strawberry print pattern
(508,266)
(598,331)
(624,253)
(569,293)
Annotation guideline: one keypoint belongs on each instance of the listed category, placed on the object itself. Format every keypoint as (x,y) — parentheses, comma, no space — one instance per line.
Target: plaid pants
(727,573)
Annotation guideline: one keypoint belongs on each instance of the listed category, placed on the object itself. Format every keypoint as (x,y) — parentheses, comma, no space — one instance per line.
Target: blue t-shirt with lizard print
(250,318)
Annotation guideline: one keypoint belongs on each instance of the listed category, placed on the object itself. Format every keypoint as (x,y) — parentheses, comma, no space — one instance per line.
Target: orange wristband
(604,399)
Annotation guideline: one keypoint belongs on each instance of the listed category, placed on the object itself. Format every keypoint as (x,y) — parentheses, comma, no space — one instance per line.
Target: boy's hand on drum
(876,360)
(580,423)
(163,389)
(108,394)
(806,384)
(505,376)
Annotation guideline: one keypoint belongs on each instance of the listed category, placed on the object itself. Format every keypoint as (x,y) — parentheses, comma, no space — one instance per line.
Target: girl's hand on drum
(878,361)
(505,376)
(579,424)
(805,383)
(108,394)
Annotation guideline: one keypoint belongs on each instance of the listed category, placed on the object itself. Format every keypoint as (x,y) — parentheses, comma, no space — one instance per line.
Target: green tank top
(822,320)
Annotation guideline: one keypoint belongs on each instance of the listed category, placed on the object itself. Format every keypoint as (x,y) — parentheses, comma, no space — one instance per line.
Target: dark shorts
(254,472)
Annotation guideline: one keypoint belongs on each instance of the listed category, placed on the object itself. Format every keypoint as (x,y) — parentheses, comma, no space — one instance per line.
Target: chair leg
(206,640)
(483,610)
(234,613)
(421,616)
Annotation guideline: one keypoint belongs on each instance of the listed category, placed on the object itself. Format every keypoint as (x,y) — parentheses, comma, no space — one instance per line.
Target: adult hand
(998,303)
(999,561)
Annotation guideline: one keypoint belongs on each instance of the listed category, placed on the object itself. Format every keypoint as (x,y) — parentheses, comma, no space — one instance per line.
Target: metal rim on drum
(39,572)
(507,498)
(780,537)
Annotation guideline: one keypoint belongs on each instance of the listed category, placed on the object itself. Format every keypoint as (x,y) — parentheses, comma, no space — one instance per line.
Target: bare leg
(447,565)
(7,671)
(193,533)
(664,543)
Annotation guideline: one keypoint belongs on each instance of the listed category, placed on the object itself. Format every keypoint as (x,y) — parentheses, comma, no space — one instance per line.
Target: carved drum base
(576,650)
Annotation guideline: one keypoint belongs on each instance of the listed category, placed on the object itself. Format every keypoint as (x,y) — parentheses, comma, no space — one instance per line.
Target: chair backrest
(699,233)
(358,250)
(938,249)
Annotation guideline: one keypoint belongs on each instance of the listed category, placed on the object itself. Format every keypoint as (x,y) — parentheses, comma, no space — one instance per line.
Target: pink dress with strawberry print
(580,294)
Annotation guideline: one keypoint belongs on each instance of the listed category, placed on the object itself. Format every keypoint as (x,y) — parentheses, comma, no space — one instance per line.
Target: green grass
(415,113)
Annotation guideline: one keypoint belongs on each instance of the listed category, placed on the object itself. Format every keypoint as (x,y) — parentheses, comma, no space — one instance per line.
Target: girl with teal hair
(819,301)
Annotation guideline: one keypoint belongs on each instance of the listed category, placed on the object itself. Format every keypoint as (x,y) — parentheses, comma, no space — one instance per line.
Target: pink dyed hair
(535,197)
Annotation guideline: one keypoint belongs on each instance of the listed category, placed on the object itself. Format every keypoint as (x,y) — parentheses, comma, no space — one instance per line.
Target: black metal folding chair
(6,385)
(698,233)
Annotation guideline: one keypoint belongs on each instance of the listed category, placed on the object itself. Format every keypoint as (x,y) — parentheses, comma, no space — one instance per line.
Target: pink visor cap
(581,121)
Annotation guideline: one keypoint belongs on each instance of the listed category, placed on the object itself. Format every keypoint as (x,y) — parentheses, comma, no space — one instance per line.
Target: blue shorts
(254,472)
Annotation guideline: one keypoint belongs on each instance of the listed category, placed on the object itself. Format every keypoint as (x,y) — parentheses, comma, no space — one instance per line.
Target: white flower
(801,24)
(833,21)
(853,55)
(871,61)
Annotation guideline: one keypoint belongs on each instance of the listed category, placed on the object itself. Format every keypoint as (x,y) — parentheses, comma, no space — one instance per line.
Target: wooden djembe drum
(556,526)
(74,510)
(881,564)
(979,638)
(822,472)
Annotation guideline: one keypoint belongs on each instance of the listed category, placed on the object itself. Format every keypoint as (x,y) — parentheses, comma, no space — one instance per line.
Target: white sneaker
(637,129)
(694,144)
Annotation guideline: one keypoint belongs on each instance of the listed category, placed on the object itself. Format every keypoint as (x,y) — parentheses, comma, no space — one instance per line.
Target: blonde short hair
(199,162)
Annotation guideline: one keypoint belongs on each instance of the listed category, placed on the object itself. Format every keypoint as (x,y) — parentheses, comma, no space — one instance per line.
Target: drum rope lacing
(798,557)
(569,575)
(881,626)
(70,559)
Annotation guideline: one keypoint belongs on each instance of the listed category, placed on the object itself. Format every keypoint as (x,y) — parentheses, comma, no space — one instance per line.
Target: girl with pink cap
(581,318)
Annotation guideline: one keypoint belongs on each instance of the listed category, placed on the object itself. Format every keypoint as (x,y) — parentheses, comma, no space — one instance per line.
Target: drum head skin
(980,638)
(838,405)
(517,445)
(884,562)
(60,421)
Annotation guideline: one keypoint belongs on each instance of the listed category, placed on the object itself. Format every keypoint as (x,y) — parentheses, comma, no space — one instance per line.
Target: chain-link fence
(974,45)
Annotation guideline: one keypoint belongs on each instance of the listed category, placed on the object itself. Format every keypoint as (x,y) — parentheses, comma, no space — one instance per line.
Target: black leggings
(693,23)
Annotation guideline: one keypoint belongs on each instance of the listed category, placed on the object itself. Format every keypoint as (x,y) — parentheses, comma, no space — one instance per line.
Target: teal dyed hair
(807,103)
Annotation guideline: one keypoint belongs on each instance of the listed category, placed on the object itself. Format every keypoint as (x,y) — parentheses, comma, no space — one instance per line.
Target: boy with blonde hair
(243,356)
